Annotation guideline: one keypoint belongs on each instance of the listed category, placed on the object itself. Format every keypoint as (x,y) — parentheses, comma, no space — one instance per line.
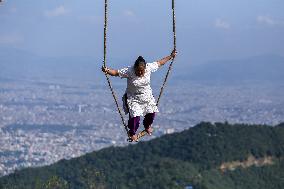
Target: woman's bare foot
(134,138)
(149,130)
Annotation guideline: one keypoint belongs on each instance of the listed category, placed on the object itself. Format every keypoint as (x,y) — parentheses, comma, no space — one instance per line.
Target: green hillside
(207,156)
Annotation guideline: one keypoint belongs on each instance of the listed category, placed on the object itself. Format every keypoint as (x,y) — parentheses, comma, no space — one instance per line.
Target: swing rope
(173,59)
(107,77)
(104,61)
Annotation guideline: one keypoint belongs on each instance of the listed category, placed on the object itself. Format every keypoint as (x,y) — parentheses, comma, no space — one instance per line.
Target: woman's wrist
(106,70)
(173,54)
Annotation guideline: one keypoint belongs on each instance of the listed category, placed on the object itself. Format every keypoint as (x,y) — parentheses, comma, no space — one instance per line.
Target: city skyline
(43,123)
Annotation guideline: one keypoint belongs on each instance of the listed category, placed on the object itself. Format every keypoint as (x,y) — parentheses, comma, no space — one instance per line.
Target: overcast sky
(206,29)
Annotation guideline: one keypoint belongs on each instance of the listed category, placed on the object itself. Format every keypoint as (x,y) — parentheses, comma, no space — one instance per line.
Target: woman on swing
(138,98)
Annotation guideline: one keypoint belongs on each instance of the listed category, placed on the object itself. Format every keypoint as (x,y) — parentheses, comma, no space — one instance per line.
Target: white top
(140,99)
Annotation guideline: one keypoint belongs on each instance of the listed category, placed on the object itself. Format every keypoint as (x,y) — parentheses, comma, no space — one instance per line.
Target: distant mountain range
(19,64)
(266,68)
(207,156)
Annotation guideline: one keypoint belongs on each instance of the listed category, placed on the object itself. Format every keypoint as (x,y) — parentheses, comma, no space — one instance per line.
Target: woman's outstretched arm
(110,71)
(167,58)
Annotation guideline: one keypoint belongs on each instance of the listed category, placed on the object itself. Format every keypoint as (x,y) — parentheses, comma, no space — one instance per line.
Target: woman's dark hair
(140,62)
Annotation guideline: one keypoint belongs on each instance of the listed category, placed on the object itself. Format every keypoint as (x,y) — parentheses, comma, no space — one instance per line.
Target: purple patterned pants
(133,122)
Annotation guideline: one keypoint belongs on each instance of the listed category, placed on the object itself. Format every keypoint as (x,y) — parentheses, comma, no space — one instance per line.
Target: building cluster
(41,124)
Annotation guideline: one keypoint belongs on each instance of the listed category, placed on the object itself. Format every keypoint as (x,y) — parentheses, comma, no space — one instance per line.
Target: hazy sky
(206,29)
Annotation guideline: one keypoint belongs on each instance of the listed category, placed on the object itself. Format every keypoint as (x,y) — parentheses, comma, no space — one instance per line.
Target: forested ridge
(189,158)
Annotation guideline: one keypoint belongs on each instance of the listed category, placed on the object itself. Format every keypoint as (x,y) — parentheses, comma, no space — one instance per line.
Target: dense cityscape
(44,122)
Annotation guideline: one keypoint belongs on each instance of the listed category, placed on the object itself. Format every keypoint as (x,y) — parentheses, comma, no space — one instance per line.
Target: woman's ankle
(149,130)
(133,137)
